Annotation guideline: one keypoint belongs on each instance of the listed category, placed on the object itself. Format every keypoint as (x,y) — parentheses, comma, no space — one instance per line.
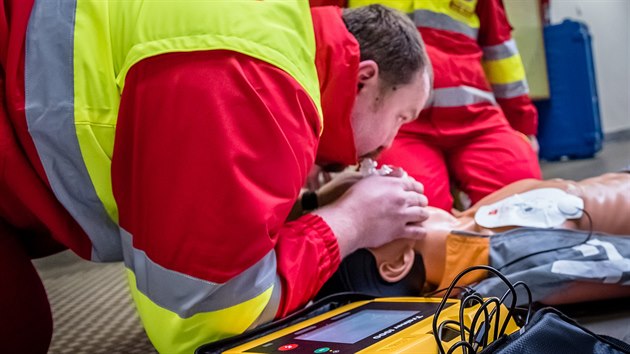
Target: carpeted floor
(92,308)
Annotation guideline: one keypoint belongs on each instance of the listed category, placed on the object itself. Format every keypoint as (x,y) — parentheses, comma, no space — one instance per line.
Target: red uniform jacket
(205,179)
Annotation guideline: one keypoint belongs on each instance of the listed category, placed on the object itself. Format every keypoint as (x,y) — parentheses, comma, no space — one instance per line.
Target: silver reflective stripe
(513,89)
(436,20)
(269,313)
(186,295)
(49,100)
(460,96)
(500,51)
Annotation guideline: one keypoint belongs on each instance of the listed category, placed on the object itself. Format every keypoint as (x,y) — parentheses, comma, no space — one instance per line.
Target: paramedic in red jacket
(213,140)
(477,133)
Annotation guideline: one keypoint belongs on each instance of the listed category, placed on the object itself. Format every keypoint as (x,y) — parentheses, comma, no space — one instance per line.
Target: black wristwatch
(309,201)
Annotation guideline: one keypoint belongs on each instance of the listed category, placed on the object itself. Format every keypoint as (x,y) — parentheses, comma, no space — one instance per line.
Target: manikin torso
(606,199)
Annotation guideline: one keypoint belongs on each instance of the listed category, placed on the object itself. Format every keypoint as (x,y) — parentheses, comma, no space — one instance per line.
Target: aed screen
(357,326)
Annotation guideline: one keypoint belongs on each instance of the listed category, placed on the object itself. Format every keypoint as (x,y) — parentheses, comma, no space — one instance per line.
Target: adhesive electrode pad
(545,207)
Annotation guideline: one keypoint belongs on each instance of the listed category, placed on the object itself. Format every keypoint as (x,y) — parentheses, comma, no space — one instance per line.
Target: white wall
(609,25)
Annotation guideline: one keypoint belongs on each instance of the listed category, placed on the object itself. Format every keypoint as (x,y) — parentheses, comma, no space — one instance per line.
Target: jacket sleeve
(339,3)
(504,68)
(211,151)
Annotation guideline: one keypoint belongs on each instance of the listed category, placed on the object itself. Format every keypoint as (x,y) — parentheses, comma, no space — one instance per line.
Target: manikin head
(394,76)
(395,259)
(394,269)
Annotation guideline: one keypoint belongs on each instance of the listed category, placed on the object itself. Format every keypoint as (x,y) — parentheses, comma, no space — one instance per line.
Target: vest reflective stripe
(437,14)
(504,71)
(187,296)
(180,312)
(460,96)
(439,21)
(500,51)
(269,313)
(510,90)
(78,53)
(50,106)
(170,333)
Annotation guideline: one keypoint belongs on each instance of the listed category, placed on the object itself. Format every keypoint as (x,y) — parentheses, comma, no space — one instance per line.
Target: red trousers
(475,162)
(27,212)
(26,325)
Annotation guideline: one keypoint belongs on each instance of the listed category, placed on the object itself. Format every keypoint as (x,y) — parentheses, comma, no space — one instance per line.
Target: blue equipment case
(569,122)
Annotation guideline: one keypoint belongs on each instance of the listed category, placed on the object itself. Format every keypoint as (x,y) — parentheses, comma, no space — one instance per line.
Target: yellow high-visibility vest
(78,53)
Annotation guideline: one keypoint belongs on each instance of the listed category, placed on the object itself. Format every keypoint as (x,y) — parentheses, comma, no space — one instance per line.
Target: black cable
(586,239)
(529,300)
(448,322)
(466,289)
(463,304)
(460,344)
(486,323)
(448,293)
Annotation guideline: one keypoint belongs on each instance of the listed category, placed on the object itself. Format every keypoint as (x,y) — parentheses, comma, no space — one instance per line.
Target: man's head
(394,75)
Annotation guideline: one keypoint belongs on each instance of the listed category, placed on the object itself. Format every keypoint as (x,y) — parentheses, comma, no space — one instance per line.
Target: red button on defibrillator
(286,347)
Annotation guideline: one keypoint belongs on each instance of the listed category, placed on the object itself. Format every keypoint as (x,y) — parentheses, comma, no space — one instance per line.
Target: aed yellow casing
(416,337)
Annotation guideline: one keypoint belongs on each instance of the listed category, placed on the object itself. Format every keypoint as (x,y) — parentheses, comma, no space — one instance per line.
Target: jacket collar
(337,61)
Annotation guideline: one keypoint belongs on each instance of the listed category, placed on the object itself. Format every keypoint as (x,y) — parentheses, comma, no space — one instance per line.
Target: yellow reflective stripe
(437,6)
(504,71)
(170,333)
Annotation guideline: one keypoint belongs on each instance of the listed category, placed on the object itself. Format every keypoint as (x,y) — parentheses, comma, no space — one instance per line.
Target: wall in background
(524,16)
(609,25)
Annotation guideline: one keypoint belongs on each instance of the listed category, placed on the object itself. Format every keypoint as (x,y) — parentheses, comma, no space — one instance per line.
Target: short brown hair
(391,39)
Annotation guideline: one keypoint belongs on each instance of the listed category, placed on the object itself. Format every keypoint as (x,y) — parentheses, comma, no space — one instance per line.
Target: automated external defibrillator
(359,323)
(388,325)
(393,324)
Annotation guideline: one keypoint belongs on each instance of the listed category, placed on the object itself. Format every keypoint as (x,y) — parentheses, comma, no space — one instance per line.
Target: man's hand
(375,211)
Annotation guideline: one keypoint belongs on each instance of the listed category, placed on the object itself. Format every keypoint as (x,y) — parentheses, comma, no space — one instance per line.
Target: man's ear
(368,74)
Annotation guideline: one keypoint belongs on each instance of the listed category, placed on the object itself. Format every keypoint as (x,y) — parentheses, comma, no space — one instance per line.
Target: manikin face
(378,113)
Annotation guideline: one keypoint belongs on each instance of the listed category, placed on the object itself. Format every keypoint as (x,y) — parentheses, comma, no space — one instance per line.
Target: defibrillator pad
(544,207)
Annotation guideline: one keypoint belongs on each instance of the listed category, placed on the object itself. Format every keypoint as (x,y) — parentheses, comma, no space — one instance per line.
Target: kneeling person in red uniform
(478,130)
